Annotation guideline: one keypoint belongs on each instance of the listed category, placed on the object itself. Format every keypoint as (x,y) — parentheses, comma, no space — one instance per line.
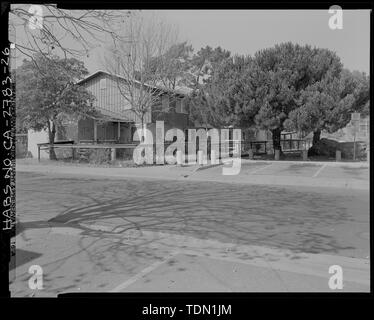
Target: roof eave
(165,90)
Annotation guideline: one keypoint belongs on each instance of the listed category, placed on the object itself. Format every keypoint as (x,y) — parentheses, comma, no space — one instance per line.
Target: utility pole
(355,119)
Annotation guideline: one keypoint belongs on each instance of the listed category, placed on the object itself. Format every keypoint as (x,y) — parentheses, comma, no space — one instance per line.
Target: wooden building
(117,122)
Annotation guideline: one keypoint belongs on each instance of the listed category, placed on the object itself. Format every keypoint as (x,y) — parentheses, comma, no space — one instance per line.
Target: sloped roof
(183,91)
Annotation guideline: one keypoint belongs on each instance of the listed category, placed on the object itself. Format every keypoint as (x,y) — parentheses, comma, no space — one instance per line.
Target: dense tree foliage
(226,98)
(282,74)
(284,87)
(204,63)
(209,105)
(173,66)
(328,104)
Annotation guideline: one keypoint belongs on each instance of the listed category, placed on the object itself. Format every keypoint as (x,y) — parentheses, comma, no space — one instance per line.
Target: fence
(295,145)
(67,150)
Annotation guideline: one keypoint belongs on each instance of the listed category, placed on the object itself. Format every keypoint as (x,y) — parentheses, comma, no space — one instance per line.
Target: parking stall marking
(319,170)
(262,168)
(144,272)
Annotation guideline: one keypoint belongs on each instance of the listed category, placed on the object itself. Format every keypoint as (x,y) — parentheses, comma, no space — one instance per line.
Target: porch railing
(291,145)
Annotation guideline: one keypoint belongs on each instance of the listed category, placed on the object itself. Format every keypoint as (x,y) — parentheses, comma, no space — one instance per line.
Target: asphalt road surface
(315,220)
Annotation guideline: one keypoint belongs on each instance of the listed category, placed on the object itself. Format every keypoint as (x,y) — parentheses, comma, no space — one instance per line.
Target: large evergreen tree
(328,104)
(282,73)
(226,96)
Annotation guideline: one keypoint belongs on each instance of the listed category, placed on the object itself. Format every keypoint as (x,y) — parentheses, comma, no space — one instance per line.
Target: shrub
(324,147)
(98,156)
(124,154)
(327,147)
(63,153)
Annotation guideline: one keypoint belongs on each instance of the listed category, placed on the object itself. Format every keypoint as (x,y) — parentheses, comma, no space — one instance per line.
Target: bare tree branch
(65,32)
(129,58)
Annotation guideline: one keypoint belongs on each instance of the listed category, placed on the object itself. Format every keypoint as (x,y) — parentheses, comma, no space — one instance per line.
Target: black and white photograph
(200,151)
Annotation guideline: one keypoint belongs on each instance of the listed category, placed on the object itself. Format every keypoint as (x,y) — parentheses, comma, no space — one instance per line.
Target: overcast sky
(246,31)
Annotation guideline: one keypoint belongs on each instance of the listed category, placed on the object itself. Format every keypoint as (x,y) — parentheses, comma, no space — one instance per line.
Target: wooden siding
(110,101)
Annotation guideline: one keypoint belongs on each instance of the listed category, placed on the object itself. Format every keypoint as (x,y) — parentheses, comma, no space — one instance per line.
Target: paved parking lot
(344,171)
(281,169)
(335,175)
(89,233)
(324,170)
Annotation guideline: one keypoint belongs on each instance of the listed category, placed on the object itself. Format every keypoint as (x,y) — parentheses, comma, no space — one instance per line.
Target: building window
(165,103)
(102,83)
(183,107)
(172,105)
(133,136)
(178,106)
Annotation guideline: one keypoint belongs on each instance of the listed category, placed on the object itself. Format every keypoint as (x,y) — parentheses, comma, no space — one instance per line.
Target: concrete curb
(353,184)
(319,163)
(249,179)
(110,173)
(203,167)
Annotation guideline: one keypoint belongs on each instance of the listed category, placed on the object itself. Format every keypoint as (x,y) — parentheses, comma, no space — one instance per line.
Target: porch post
(95,131)
(113,154)
(119,131)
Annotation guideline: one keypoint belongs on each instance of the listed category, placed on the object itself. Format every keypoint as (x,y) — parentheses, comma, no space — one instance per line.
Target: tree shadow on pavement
(252,215)
(276,217)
